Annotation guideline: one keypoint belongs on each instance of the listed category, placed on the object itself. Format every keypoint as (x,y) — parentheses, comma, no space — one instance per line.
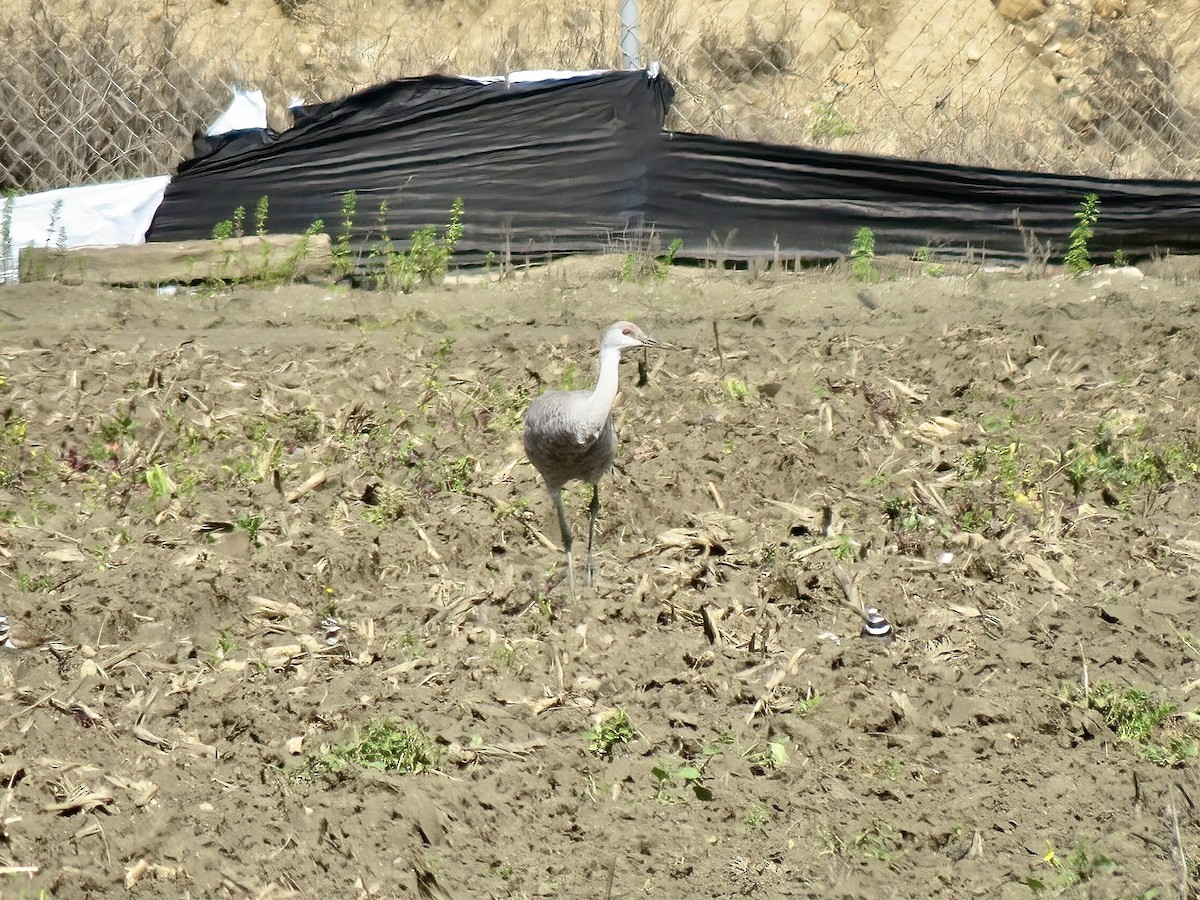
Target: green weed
(250,524)
(232,227)
(767,756)
(1151,726)
(381,745)
(1078,259)
(32,584)
(736,388)
(343,260)
(1121,461)
(427,259)
(808,704)
(118,428)
(1083,864)
(828,124)
(924,256)
(645,263)
(877,841)
(670,779)
(862,256)
(159,482)
(755,819)
(611,728)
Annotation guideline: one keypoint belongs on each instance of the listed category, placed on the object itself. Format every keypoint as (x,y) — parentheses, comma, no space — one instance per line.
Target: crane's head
(625,336)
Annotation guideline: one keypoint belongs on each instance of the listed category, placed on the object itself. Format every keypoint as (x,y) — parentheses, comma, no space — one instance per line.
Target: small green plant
(427,259)
(612,727)
(225,647)
(736,388)
(843,547)
(159,482)
(33,584)
(261,211)
(1149,725)
(876,841)
(343,260)
(431,254)
(767,756)
(1078,259)
(118,428)
(456,475)
(57,231)
(828,124)
(862,256)
(669,778)
(1120,460)
(384,746)
(250,524)
(1083,864)
(808,704)
(755,818)
(924,256)
(1120,260)
(232,227)
(645,262)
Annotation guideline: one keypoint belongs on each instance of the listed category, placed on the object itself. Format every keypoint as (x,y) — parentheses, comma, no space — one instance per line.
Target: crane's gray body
(562,445)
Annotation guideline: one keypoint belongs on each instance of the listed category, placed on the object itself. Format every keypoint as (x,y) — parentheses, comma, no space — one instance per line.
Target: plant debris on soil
(285,614)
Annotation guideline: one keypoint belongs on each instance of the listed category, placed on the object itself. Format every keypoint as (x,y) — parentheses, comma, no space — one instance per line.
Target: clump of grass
(1078,259)
(924,256)
(1081,865)
(736,388)
(876,841)
(646,263)
(1150,725)
(611,728)
(381,745)
(828,124)
(862,256)
(1120,461)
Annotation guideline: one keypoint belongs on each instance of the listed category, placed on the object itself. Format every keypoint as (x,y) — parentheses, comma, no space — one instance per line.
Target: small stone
(1020,10)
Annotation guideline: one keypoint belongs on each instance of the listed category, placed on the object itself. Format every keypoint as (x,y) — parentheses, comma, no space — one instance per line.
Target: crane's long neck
(600,403)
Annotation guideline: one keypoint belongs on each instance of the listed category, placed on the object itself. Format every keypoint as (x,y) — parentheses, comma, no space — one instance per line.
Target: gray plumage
(569,435)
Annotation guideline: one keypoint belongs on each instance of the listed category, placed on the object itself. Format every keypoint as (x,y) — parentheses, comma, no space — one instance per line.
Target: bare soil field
(288,618)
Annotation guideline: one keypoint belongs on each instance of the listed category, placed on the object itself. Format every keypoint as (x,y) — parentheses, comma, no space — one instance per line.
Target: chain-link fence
(93,90)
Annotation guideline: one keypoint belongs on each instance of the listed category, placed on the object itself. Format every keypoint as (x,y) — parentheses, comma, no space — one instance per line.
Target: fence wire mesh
(94,90)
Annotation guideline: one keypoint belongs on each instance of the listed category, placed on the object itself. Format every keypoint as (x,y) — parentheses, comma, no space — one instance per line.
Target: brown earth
(1005,466)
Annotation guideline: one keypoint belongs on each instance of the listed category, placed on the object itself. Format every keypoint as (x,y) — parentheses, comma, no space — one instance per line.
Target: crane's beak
(657,344)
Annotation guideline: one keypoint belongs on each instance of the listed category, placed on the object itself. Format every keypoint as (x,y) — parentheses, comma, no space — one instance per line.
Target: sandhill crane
(569,435)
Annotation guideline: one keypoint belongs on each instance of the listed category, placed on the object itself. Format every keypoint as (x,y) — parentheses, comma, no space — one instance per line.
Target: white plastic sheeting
(103,215)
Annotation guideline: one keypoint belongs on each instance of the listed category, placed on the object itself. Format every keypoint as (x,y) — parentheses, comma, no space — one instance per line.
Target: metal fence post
(631,44)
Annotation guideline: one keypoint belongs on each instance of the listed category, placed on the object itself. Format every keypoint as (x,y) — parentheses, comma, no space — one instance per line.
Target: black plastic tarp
(583,165)
(755,198)
(542,167)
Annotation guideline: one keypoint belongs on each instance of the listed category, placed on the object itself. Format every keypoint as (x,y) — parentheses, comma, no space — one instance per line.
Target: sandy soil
(1006,468)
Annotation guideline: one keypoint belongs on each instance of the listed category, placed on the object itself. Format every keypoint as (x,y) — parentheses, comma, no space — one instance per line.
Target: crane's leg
(564,526)
(593,510)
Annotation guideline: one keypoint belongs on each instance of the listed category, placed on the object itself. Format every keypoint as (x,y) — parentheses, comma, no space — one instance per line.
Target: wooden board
(275,257)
